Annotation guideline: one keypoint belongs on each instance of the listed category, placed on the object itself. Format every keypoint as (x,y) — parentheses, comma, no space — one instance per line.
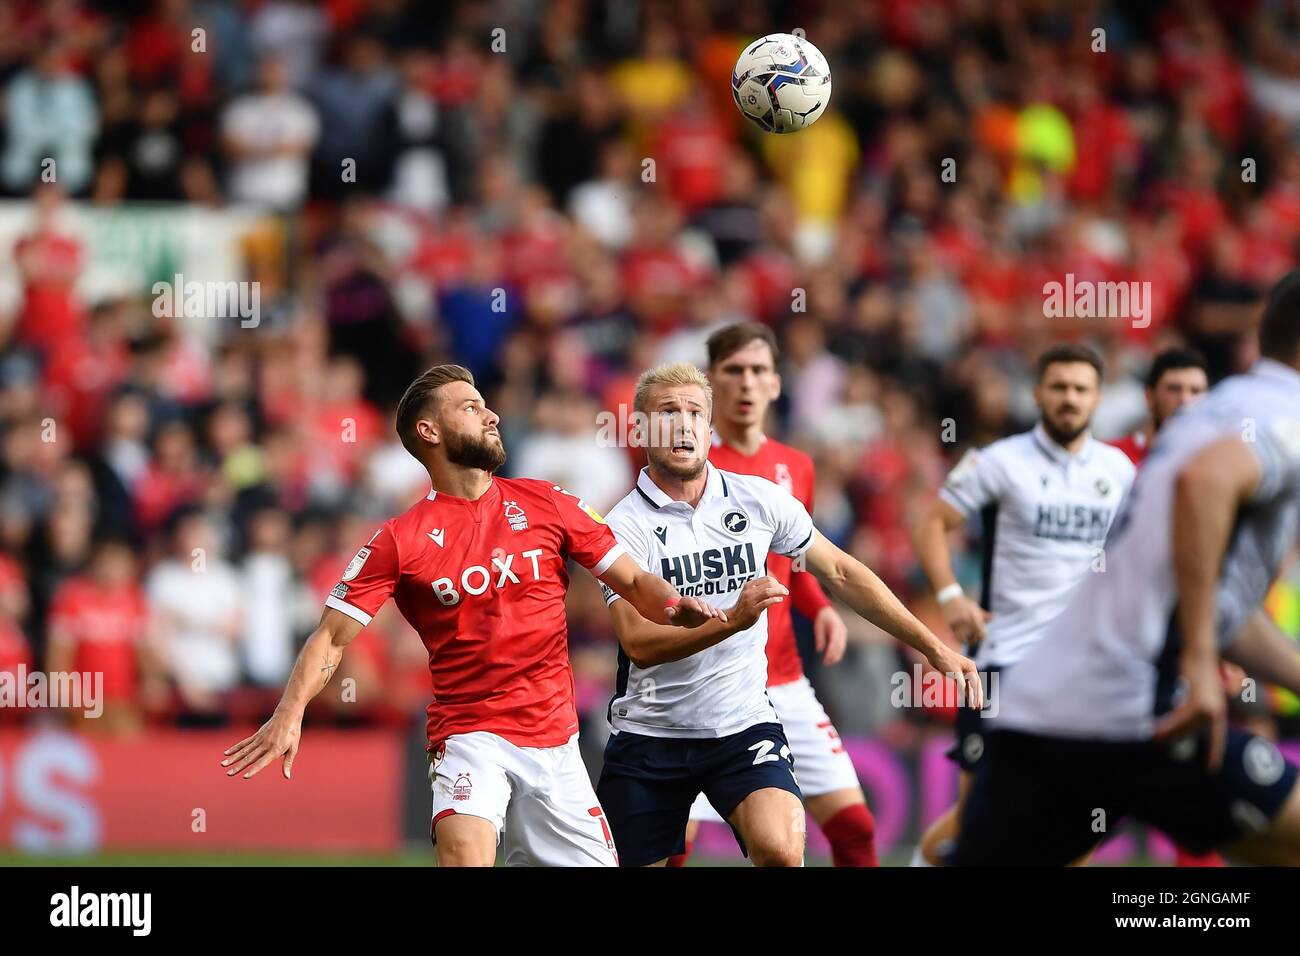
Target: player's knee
(778,849)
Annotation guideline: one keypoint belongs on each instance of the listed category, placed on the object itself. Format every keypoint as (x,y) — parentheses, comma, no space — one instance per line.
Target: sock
(1188,858)
(918,858)
(679,859)
(852,835)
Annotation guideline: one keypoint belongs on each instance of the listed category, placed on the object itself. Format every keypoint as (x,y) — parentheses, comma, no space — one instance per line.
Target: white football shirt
(708,551)
(1045,515)
(1108,665)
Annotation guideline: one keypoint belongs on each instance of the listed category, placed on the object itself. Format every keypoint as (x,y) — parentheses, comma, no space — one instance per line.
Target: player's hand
(961,669)
(279,736)
(965,618)
(1204,707)
(692,612)
(755,598)
(830,636)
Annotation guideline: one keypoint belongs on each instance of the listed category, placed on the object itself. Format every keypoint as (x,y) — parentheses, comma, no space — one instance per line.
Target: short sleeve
(632,543)
(974,483)
(1277,449)
(369,579)
(793,527)
(588,539)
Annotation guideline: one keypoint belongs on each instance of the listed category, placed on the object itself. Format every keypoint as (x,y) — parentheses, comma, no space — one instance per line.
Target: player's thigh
(1031,802)
(646,789)
(1243,804)
(555,818)
(770,825)
(827,777)
(469,780)
(753,772)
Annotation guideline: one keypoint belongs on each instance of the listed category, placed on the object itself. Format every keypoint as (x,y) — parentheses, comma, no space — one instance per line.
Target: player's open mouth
(687,448)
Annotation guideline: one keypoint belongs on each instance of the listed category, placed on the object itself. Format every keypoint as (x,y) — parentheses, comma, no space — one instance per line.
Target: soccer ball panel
(781,83)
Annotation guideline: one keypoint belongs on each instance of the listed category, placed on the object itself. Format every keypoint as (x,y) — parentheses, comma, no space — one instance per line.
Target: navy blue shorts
(648,784)
(1047,801)
(972,729)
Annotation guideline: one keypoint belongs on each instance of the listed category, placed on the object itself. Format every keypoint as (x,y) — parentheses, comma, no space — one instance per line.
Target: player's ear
(776,387)
(429,431)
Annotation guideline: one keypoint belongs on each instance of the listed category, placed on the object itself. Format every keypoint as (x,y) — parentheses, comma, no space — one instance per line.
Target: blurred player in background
(1046,499)
(742,371)
(1177,377)
(1119,709)
(691,713)
(478,569)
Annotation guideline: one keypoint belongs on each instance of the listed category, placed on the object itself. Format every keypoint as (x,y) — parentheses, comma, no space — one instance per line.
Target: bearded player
(742,370)
(691,713)
(478,568)
(1046,499)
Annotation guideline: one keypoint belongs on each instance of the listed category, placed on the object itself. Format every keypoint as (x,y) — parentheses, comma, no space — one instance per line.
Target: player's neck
(458,482)
(689,490)
(746,439)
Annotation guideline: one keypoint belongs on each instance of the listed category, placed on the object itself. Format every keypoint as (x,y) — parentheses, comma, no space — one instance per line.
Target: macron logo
(436,536)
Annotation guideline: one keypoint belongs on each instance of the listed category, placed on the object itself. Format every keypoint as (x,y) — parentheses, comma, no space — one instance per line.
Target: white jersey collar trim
(714,487)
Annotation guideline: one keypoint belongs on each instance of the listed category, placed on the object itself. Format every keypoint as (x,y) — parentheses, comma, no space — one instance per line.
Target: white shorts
(820,763)
(541,797)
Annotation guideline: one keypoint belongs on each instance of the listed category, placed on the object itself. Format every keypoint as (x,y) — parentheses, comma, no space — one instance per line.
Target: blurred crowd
(558,195)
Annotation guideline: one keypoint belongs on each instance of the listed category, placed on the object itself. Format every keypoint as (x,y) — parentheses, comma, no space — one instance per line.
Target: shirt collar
(1058,454)
(714,487)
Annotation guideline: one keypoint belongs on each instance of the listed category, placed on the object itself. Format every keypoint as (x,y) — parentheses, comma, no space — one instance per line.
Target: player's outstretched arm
(316,664)
(647,644)
(853,583)
(930,539)
(1266,653)
(1208,492)
(655,599)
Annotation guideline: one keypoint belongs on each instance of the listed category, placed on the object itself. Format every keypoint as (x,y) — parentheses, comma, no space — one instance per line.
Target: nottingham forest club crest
(515,515)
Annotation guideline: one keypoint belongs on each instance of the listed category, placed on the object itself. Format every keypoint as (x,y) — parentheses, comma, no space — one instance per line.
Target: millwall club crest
(1103,487)
(354,566)
(735,522)
(515,515)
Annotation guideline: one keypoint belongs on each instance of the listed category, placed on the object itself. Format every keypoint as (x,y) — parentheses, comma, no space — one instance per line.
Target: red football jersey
(1135,446)
(483,584)
(793,471)
(106,626)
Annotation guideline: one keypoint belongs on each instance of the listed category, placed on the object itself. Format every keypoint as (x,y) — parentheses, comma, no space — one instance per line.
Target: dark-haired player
(1177,377)
(1046,499)
(478,569)
(1118,710)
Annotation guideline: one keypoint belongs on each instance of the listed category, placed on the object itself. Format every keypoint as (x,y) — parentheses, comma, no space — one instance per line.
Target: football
(781,83)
